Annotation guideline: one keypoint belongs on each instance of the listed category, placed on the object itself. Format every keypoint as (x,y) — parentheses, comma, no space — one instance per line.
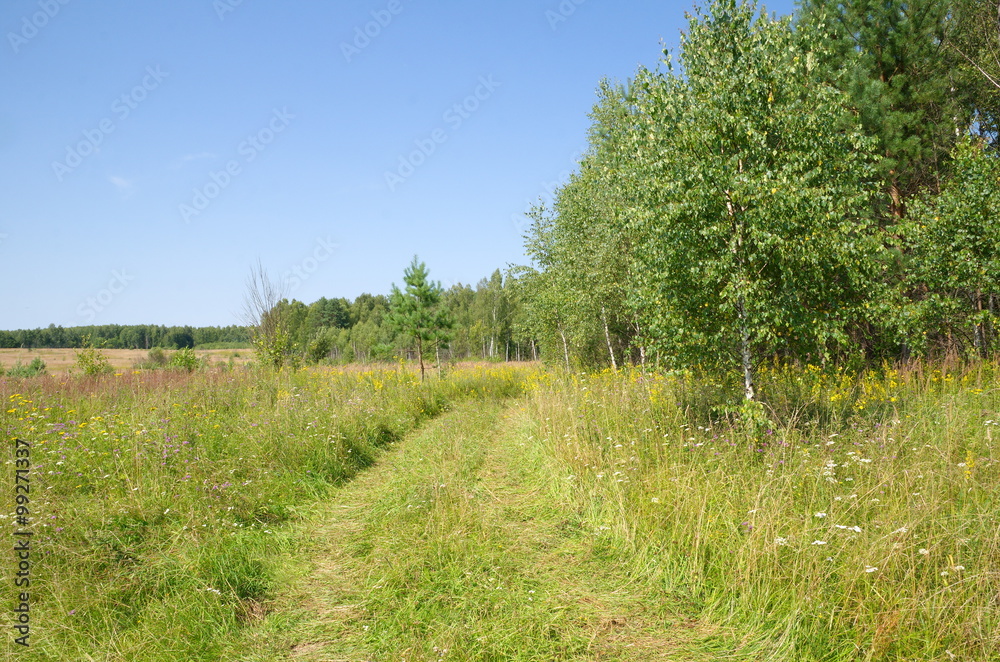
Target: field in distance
(63,359)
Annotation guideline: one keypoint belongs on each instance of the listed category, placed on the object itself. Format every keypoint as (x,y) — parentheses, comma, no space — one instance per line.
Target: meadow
(508,512)
(63,360)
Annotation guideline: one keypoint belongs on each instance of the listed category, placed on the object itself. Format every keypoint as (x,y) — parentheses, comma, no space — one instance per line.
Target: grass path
(452,548)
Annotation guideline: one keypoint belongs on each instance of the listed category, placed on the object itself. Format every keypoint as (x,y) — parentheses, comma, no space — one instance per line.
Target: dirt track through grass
(452,548)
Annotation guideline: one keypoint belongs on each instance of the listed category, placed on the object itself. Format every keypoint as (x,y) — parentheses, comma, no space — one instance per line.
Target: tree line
(124,336)
(484,321)
(458,323)
(821,187)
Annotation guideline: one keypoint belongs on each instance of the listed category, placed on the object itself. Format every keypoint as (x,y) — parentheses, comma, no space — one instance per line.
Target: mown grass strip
(457,548)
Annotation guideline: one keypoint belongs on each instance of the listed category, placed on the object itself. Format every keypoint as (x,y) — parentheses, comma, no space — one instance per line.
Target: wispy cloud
(187,158)
(121,183)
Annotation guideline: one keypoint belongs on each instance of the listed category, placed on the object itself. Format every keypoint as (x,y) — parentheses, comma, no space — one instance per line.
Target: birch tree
(757,201)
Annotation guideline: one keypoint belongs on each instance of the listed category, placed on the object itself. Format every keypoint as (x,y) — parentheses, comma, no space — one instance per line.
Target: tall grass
(159,499)
(863,525)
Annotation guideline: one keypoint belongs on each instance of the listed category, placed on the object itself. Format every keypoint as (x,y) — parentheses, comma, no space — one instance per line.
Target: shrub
(92,361)
(157,356)
(186,359)
(33,369)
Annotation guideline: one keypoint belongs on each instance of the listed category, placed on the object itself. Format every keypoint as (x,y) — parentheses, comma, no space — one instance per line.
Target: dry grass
(62,360)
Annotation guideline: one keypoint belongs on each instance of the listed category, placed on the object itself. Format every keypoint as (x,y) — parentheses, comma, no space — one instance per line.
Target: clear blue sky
(151,152)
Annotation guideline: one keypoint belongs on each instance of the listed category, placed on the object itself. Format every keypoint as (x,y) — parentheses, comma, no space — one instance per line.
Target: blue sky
(152,152)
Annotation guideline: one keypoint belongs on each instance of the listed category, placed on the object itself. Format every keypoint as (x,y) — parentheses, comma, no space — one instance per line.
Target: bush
(33,369)
(157,356)
(92,361)
(186,359)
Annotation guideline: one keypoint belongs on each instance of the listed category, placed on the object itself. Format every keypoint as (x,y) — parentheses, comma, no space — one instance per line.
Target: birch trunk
(565,347)
(746,356)
(980,339)
(607,338)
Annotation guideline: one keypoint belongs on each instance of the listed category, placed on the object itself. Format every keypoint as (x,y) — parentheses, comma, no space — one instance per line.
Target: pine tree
(417,313)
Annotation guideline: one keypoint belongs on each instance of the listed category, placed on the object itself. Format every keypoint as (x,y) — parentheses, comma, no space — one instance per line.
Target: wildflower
(924,552)
(820,515)
(818,542)
(781,541)
(655,500)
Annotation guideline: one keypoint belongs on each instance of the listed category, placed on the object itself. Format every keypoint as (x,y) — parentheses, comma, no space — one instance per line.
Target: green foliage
(756,199)
(972,39)
(416,311)
(119,336)
(91,360)
(891,60)
(21,371)
(185,359)
(952,240)
(721,216)
(542,288)
(321,345)
(181,338)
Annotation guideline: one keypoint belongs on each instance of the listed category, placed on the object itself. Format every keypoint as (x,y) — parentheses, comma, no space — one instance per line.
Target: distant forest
(125,336)
(486,325)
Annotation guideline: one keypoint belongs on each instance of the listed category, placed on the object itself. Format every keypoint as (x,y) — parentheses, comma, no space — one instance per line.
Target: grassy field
(64,360)
(502,513)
